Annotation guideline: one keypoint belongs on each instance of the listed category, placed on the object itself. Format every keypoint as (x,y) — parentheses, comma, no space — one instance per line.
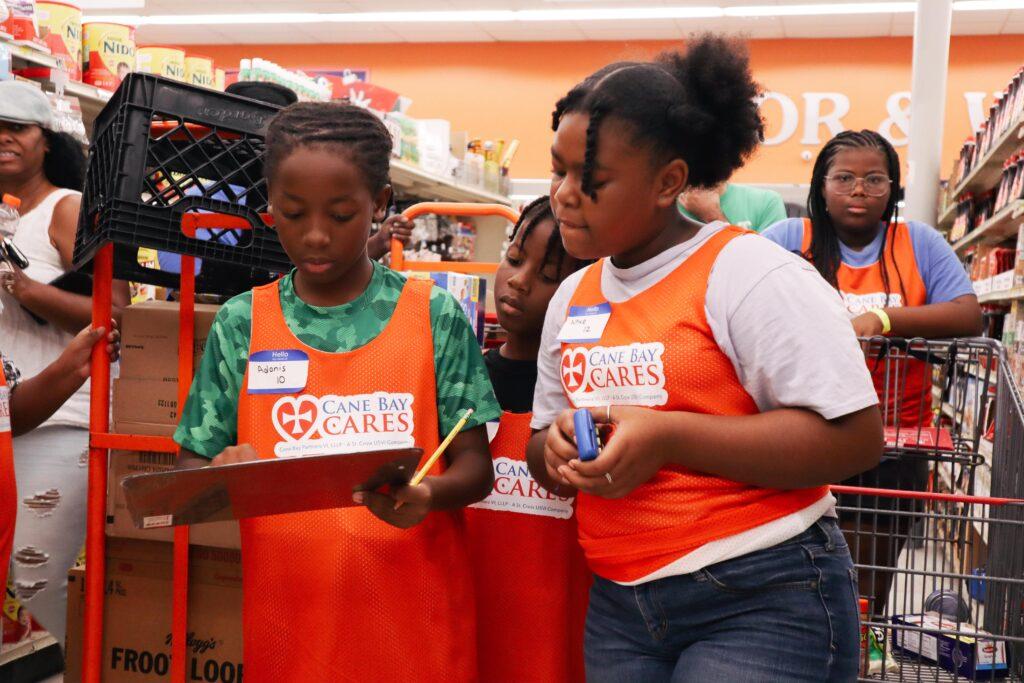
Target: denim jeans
(786,613)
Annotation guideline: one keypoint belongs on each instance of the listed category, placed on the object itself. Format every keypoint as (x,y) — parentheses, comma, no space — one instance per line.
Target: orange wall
(507,90)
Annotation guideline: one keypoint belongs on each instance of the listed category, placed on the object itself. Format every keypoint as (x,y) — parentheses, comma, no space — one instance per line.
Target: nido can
(60,27)
(21,20)
(199,71)
(109,51)
(168,62)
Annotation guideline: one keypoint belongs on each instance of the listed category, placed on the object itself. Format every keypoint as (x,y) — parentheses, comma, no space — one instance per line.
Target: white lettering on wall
(898,108)
(814,118)
(790,117)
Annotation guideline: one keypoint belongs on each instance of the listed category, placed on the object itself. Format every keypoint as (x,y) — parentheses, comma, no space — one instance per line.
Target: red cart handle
(398,261)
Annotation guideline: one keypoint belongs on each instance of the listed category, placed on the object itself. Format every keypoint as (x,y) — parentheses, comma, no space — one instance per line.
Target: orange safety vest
(8,488)
(658,351)
(863,289)
(339,595)
(530,576)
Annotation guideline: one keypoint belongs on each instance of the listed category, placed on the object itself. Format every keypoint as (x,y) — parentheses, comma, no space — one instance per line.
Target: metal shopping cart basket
(937,531)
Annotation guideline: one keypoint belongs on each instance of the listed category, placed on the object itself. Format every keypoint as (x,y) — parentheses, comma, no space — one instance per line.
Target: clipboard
(263,487)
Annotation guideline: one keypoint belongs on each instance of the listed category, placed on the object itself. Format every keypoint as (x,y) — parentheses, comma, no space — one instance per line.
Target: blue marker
(588,441)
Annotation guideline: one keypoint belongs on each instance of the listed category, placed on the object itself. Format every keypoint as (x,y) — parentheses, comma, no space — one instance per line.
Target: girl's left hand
(867,325)
(629,459)
(416,502)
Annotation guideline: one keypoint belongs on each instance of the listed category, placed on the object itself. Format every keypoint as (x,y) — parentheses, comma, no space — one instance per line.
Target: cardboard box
(149,339)
(137,616)
(146,401)
(972,653)
(119,520)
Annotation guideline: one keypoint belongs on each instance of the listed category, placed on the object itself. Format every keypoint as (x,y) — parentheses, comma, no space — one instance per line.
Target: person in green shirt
(209,421)
(740,205)
(338,300)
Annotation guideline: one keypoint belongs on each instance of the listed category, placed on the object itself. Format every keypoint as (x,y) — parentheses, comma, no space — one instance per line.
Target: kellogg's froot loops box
(109,53)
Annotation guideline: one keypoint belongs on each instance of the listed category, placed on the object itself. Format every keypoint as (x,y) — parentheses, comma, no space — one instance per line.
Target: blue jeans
(787,613)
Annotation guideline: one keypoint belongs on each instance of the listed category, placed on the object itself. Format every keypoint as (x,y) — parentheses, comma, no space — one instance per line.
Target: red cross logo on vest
(574,369)
(295,418)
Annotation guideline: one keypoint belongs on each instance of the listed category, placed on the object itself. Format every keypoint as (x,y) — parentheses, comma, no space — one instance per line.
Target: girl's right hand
(231,455)
(560,445)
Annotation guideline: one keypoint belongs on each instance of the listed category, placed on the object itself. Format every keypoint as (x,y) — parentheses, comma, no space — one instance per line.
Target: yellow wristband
(884,317)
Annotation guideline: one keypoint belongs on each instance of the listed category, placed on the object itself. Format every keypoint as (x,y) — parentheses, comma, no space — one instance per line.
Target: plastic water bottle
(9,217)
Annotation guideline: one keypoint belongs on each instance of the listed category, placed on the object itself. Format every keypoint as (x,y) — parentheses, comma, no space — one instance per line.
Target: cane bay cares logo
(318,425)
(632,374)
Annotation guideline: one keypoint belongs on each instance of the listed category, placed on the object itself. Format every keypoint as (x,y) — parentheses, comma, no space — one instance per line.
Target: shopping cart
(937,533)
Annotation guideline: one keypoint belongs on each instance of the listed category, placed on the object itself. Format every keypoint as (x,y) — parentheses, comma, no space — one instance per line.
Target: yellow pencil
(440,449)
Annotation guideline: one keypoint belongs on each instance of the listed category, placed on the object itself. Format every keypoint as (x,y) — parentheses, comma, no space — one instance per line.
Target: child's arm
(39,397)
(776,449)
(462,383)
(951,308)
(960,317)
(467,479)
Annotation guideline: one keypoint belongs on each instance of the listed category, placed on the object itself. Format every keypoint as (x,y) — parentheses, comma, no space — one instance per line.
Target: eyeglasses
(875,184)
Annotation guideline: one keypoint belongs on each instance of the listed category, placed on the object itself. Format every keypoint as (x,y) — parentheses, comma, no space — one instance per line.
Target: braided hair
(316,124)
(532,215)
(699,106)
(824,251)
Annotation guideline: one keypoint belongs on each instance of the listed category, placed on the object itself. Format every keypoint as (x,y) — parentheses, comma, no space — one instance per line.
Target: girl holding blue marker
(734,383)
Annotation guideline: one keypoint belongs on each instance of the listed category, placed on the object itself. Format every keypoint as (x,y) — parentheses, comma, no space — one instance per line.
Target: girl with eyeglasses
(898,278)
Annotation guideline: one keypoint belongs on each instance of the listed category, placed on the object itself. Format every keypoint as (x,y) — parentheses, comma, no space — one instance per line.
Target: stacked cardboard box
(146,391)
(137,615)
(146,402)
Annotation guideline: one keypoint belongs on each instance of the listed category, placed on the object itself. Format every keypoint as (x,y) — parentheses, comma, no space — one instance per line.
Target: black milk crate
(162,149)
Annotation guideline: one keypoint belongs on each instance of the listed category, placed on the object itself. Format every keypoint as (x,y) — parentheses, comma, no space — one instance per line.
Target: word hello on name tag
(585,324)
(280,371)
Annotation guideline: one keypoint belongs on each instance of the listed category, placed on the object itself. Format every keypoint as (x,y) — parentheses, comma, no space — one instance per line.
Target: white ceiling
(987,22)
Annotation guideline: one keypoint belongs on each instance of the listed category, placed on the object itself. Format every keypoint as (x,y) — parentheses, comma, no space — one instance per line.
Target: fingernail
(358,497)
(573,463)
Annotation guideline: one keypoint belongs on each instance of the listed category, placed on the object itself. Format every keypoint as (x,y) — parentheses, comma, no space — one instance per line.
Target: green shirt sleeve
(462,379)
(774,210)
(209,422)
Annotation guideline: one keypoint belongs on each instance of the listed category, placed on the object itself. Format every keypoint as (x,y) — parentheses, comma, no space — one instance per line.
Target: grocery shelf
(34,644)
(985,174)
(407,179)
(1001,296)
(419,183)
(28,56)
(999,227)
(946,218)
(91,99)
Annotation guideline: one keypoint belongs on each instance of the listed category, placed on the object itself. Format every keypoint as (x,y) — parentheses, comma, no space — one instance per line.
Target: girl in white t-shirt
(730,376)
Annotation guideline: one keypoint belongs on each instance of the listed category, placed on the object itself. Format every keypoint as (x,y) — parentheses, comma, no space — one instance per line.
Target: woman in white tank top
(45,170)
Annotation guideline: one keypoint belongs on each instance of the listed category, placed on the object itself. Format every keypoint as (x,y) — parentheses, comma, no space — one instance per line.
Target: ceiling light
(820,9)
(539,15)
(974,5)
(111,4)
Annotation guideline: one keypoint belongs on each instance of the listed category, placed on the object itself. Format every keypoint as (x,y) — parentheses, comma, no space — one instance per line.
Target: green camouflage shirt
(209,422)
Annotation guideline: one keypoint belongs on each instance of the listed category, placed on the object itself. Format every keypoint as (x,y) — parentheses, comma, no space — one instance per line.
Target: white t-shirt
(782,326)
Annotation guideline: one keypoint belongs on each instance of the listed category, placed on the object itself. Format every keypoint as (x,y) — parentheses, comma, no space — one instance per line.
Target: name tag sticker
(281,371)
(585,324)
